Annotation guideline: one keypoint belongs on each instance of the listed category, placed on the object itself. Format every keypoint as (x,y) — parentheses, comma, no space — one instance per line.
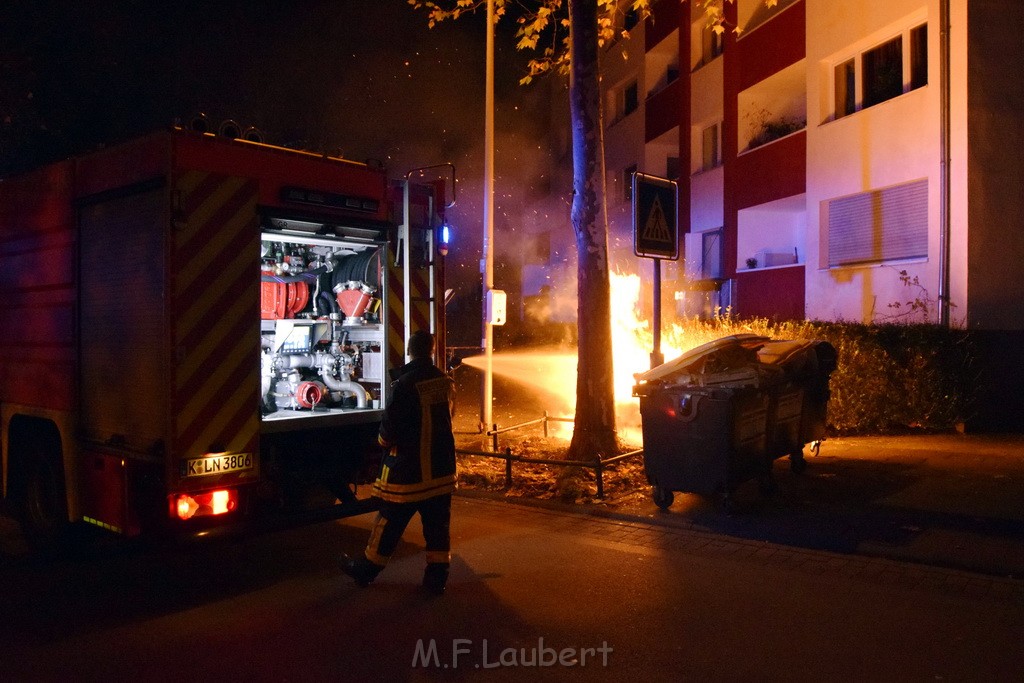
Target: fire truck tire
(41,498)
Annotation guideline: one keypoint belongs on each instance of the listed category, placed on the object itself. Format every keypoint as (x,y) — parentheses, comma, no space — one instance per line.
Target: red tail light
(219,502)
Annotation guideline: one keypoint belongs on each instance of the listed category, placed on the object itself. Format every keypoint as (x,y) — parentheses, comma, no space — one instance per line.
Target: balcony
(662,110)
(774,293)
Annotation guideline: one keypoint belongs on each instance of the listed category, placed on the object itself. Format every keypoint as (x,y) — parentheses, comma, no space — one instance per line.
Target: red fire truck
(193,326)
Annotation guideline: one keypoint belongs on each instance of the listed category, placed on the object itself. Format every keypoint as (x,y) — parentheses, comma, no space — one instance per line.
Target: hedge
(890,377)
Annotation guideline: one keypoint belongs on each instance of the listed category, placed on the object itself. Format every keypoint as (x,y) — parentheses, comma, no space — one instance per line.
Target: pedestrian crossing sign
(655,230)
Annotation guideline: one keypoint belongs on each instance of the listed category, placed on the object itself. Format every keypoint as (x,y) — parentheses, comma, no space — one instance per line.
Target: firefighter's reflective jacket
(417,431)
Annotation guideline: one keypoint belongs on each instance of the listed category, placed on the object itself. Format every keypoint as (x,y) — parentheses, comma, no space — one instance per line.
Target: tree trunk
(595,390)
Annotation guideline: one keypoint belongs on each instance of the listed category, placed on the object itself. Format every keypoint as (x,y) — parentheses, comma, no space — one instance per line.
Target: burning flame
(552,372)
(632,343)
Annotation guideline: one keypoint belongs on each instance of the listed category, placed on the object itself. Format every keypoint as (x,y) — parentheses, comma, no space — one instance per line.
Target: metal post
(657,358)
(487,265)
(945,182)
(431,280)
(405,234)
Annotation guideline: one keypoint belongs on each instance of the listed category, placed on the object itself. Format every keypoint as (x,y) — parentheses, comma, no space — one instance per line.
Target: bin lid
(782,352)
(694,359)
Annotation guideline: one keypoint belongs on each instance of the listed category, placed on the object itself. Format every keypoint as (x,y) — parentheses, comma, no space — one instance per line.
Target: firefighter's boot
(435,577)
(362,571)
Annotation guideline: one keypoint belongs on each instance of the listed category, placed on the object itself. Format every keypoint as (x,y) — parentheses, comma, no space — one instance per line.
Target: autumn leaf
(527,43)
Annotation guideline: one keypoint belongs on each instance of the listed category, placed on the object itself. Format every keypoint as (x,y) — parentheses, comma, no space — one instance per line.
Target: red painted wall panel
(771,47)
(770,172)
(662,110)
(662,21)
(776,293)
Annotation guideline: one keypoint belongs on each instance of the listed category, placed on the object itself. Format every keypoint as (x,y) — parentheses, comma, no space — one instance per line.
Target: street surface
(535,594)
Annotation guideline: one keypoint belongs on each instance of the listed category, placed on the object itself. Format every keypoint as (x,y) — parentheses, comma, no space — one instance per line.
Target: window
(711,44)
(630,99)
(710,156)
(881,73)
(846,89)
(712,254)
(880,225)
(630,20)
(623,100)
(672,168)
(919,56)
(627,182)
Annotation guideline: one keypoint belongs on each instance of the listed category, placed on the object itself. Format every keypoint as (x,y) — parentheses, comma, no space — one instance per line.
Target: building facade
(836,160)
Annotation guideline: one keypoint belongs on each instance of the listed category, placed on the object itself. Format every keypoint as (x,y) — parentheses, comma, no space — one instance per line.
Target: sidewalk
(949,500)
(946,500)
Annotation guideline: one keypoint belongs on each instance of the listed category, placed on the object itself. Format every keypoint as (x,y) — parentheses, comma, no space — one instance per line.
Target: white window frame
(857,56)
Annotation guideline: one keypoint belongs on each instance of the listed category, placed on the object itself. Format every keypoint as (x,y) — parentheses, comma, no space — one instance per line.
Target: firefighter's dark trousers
(435,515)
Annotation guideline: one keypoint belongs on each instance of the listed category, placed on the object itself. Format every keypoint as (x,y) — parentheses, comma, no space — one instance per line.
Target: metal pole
(487,264)
(431,280)
(945,218)
(405,236)
(656,356)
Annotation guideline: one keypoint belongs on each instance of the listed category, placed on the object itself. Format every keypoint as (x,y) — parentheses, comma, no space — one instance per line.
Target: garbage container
(719,415)
(799,400)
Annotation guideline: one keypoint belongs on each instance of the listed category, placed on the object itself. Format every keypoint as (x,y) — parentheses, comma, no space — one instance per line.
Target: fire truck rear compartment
(322,338)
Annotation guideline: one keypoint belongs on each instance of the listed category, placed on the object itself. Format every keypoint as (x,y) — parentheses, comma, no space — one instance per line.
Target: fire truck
(195,327)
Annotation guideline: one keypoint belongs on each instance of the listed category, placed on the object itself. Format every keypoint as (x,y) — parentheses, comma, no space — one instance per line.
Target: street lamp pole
(487,262)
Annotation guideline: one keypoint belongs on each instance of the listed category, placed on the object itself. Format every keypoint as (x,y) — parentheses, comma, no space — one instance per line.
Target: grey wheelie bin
(719,415)
(799,398)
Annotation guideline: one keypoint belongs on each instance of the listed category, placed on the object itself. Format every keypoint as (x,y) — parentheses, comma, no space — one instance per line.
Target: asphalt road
(535,595)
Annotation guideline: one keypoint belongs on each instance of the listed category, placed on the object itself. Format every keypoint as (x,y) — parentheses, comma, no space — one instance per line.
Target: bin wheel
(662,497)
(797,462)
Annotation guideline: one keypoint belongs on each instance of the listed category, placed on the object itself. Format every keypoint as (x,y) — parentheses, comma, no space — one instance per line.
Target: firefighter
(418,471)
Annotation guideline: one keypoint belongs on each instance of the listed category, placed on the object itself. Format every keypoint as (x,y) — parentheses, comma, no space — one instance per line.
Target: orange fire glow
(552,372)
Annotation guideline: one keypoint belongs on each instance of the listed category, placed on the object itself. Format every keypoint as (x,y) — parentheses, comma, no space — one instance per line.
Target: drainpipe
(945,223)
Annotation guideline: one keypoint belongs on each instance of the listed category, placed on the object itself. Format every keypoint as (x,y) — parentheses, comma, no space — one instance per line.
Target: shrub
(889,376)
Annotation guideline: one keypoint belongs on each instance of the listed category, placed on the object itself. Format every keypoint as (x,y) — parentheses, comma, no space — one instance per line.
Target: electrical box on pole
(497,307)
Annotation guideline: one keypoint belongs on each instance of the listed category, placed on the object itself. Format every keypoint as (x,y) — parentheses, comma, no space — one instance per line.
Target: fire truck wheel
(42,500)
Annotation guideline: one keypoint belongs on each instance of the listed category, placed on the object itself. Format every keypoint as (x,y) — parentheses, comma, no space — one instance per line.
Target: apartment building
(836,160)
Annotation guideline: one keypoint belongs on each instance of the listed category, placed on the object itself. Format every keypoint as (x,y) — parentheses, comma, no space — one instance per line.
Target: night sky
(362,78)
(365,77)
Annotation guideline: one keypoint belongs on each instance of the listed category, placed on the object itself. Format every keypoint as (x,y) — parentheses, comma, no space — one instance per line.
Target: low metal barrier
(598,464)
(495,430)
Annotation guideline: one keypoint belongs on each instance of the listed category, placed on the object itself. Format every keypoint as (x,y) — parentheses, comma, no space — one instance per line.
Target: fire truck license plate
(218,464)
